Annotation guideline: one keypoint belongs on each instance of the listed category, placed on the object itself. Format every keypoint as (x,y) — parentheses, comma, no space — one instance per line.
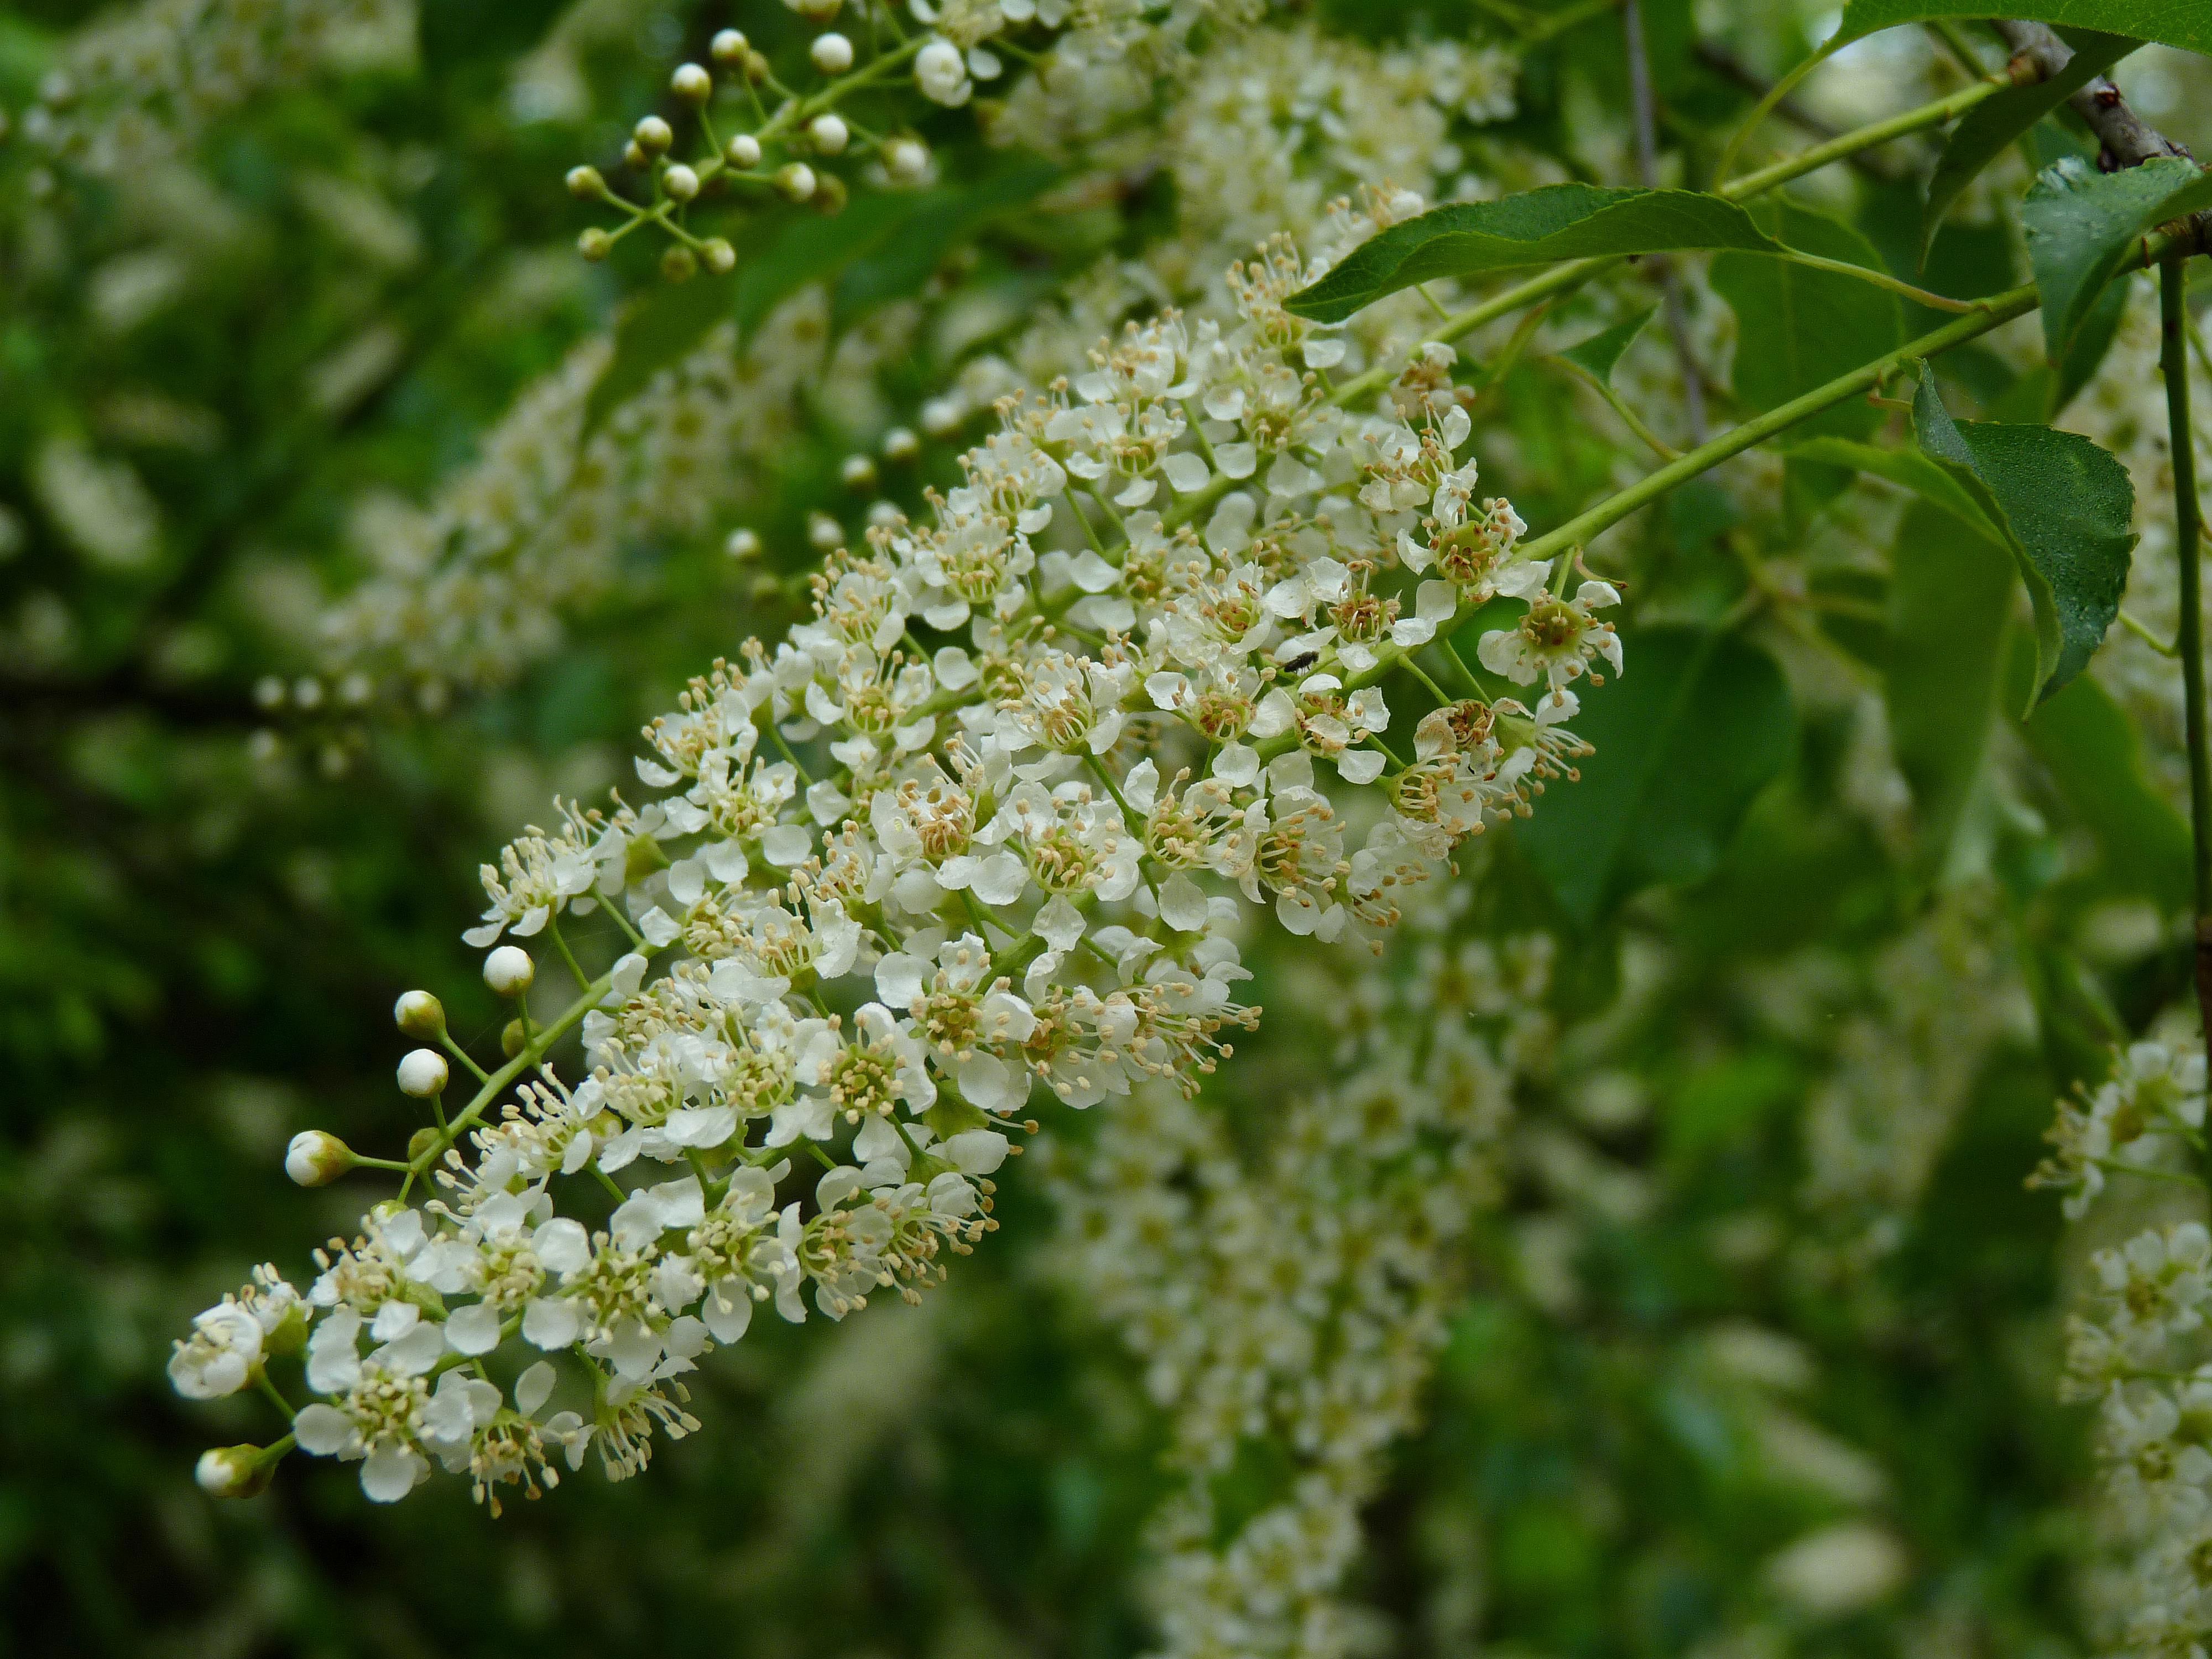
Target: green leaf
(2183,23)
(1950,600)
(657,329)
(1990,127)
(1798,328)
(1599,356)
(1696,728)
(2086,353)
(1943,443)
(1906,467)
(2095,757)
(1533,227)
(456,34)
(899,264)
(2065,506)
(2082,224)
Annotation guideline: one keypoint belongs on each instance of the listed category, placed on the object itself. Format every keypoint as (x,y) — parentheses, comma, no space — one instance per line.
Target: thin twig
(2173,362)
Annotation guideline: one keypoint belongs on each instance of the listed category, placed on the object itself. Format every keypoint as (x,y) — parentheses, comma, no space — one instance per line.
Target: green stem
(1581,529)
(1880,279)
(2173,287)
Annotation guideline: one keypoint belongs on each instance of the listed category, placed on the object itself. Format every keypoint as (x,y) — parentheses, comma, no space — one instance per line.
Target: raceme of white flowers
(2139,1345)
(1297,1294)
(146,81)
(1119,685)
(1263,131)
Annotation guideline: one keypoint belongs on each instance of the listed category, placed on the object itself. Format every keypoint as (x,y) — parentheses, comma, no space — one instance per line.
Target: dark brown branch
(2127,138)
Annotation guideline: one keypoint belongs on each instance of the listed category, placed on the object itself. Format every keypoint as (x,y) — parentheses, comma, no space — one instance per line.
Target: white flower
(219,1356)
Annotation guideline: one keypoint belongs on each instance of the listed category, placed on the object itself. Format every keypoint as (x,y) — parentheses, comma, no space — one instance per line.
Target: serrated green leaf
(2064,507)
(1798,327)
(1950,601)
(1942,443)
(1696,728)
(1990,128)
(1533,227)
(1600,354)
(2183,23)
(2084,224)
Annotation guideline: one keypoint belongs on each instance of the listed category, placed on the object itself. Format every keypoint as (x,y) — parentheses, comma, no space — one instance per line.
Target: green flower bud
(316,1158)
(679,264)
(233,1471)
(595,244)
(586,184)
(420,1015)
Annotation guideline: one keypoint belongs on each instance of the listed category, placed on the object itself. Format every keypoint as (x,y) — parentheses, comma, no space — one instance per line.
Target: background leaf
(2081,225)
(1992,125)
(1533,227)
(1797,328)
(1684,743)
(1950,601)
(2183,23)
(456,34)
(1598,355)
(657,329)
(2095,757)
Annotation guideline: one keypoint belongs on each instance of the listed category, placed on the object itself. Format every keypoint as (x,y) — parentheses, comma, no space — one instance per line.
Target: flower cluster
(146,82)
(1296,1294)
(990,820)
(2138,1347)
(470,589)
(1268,131)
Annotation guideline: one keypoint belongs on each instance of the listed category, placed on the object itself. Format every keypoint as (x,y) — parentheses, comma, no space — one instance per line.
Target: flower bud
(508,971)
(830,133)
(743,545)
(824,532)
(832,53)
(906,158)
(233,1472)
(653,135)
(830,195)
(719,256)
(691,83)
(423,1142)
(901,445)
(595,244)
(586,184)
(796,180)
(816,11)
(316,1158)
(857,471)
(728,47)
(680,182)
(743,152)
(512,1039)
(423,1073)
(635,158)
(679,264)
(418,1014)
